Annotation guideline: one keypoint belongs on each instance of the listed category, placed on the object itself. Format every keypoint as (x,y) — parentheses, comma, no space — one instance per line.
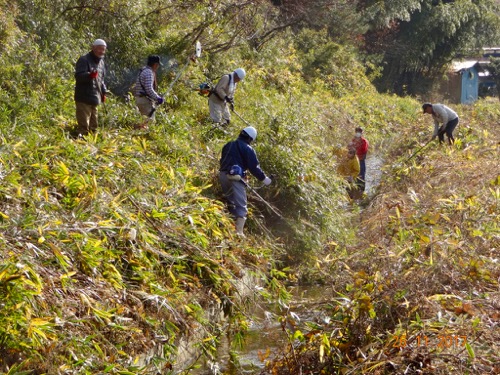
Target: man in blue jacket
(90,90)
(238,157)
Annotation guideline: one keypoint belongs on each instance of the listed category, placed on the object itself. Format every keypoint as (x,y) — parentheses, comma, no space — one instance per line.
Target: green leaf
(372,313)
(298,335)
(472,355)
(477,233)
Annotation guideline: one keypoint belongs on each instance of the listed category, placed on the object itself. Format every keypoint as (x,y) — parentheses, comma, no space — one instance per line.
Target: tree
(339,17)
(416,39)
(494,69)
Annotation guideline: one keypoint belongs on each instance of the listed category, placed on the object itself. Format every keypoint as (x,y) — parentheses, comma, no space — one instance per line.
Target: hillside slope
(116,249)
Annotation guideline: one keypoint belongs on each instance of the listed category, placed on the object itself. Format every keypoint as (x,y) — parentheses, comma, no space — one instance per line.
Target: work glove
(93,74)
(160,100)
(267,181)
(103,98)
(229,100)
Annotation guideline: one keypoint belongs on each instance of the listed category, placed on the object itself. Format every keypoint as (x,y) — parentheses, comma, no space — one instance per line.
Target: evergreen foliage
(417,39)
(494,69)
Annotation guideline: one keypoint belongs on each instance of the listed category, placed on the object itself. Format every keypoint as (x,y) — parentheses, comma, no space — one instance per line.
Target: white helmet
(240,72)
(251,132)
(99,42)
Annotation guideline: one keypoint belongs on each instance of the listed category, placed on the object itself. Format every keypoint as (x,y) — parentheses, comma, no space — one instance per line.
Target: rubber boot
(240,223)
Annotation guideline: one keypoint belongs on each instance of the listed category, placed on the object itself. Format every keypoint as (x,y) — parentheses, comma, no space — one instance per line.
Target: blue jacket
(240,153)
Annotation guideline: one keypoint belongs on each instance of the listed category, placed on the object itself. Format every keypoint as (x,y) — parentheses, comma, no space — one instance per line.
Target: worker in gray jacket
(444,116)
(222,96)
(90,90)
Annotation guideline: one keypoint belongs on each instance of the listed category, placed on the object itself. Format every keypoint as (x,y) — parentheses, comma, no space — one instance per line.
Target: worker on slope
(237,158)
(90,90)
(445,116)
(361,145)
(145,91)
(348,167)
(222,96)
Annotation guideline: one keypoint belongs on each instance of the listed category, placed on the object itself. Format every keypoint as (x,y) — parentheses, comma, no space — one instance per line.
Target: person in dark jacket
(237,158)
(90,90)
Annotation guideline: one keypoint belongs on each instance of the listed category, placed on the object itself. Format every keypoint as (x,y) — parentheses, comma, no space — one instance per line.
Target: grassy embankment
(117,244)
(419,293)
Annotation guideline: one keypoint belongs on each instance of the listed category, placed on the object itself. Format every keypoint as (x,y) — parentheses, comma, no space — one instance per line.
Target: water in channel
(267,335)
(267,338)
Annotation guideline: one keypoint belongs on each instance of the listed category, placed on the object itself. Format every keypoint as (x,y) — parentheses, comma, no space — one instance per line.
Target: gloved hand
(160,100)
(103,98)
(267,181)
(227,99)
(93,74)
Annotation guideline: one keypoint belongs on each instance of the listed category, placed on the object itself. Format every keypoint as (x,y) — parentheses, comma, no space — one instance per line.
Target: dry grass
(425,267)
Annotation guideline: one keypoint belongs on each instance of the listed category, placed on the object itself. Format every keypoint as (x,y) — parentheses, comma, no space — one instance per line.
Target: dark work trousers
(448,129)
(360,181)
(235,194)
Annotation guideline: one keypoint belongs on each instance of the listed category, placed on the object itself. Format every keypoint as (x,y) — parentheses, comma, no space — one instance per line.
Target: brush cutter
(254,191)
(241,118)
(196,55)
(275,210)
(420,149)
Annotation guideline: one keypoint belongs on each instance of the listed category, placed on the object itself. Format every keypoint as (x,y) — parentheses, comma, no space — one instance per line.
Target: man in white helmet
(90,90)
(238,157)
(223,95)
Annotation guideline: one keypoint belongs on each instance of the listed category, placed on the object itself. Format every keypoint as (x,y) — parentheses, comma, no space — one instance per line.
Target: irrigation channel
(266,337)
